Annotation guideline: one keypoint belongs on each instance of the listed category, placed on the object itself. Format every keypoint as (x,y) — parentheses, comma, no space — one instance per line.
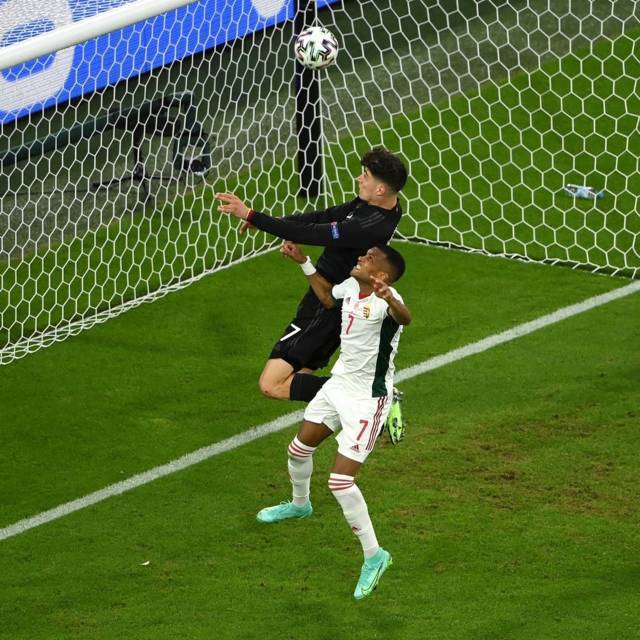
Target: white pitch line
(516,332)
(291,418)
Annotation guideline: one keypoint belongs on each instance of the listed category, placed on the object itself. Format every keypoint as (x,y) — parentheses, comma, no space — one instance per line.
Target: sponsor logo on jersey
(366,310)
(335,232)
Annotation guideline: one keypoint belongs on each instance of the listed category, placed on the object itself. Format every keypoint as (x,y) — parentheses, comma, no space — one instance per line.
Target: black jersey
(346,231)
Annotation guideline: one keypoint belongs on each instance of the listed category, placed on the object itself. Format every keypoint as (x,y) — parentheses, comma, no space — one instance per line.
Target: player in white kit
(356,399)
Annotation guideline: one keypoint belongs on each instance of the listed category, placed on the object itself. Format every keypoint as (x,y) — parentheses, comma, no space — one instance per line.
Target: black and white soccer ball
(316,48)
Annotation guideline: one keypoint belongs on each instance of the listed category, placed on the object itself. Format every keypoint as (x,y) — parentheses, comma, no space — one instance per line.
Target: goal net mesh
(109,167)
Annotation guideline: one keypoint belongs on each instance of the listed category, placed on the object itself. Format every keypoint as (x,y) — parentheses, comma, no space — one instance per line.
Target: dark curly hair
(395,261)
(386,166)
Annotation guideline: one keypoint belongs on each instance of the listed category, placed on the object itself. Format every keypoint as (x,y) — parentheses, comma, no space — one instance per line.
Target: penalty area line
(290,419)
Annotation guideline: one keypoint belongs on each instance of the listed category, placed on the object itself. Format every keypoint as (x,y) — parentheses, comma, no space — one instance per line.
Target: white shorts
(361,418)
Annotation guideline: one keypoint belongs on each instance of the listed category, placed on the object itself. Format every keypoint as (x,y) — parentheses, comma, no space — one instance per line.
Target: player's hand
(293,251)
(244,227)
(233,205)
(381,289)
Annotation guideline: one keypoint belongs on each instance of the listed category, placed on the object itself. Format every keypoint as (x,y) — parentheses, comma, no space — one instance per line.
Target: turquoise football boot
(284,511)
(372,571)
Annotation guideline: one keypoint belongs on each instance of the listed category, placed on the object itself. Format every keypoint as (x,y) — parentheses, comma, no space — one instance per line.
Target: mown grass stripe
(289,419)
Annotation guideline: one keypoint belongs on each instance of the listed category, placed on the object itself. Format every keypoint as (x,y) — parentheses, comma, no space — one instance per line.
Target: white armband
(307,267)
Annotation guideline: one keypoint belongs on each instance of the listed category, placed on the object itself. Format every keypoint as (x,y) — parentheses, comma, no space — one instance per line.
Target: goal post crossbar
(77,32)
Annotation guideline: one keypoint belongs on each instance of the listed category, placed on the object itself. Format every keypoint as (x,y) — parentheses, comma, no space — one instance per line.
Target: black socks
(304,386)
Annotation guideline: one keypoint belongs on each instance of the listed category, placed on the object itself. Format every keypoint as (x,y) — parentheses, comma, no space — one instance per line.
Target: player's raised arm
(234,206)
(321,287)
(397,309)
(345,233)
(314,228)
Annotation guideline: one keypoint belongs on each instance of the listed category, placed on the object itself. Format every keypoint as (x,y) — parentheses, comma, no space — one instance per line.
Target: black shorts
(312,337)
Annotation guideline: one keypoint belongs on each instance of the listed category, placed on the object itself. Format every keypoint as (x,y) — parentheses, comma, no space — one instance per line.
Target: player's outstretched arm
(321,286)
(397,309)
(314,228)
(234,206)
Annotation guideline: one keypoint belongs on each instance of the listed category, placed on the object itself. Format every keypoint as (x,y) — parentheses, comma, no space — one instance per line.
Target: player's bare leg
(312,434)
(280,381)
(275,379)
(376,559)
(300,465)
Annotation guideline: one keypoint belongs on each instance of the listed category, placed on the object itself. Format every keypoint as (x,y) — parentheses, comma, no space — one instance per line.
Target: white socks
(300,470)
(343,488)
(355,511)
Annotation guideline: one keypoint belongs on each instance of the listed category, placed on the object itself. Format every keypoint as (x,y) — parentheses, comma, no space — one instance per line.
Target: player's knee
(265,388)
(274,386)
(272,389)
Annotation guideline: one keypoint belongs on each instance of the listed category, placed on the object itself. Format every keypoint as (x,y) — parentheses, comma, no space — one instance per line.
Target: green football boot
(372,571)
(284,511)
(395,424)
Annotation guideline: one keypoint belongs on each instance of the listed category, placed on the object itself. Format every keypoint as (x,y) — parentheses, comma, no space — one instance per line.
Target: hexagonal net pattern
(497,108)
(106,199)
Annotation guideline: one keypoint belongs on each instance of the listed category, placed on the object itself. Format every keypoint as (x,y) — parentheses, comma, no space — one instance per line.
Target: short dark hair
(395,261)
(386,166)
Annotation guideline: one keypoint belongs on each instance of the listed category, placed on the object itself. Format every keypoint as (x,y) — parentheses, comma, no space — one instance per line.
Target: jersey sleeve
(353,232)
(316,217)
(342,289)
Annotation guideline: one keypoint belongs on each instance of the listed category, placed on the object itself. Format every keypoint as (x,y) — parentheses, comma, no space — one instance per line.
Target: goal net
(112,149)
(498,107)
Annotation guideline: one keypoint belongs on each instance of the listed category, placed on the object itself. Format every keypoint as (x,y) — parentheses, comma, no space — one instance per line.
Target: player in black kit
(346,231)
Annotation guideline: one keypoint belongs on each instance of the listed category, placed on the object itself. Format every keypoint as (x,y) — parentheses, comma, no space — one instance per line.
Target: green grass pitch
(510,508)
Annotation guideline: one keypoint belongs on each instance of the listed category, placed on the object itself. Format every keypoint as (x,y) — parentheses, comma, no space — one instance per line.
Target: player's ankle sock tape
(304,386)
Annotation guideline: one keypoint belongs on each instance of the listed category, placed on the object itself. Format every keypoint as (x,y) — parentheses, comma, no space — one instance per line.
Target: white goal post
(120,119)
(78,32)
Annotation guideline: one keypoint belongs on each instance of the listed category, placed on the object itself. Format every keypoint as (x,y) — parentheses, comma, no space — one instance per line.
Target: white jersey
(368,341)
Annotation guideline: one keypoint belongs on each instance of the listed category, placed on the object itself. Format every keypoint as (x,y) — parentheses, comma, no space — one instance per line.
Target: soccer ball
(316,48)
